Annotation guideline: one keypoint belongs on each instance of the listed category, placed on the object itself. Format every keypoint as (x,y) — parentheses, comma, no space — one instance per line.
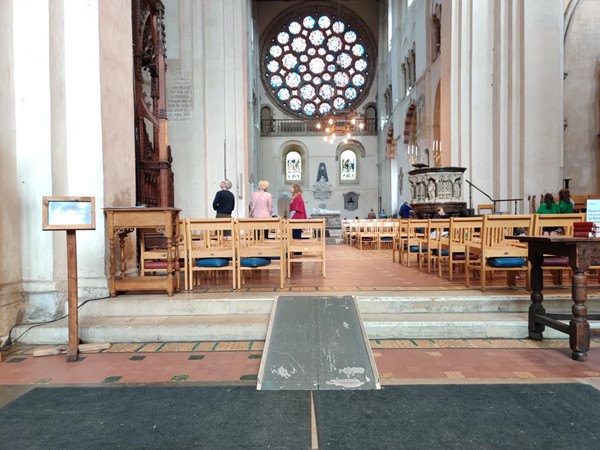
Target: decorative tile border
(258,346)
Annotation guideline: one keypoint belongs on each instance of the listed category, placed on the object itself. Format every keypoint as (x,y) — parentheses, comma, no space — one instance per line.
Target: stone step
(138,318)
(254,327)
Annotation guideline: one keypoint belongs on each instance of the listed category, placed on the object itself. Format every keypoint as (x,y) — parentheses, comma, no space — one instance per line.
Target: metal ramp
(317,343)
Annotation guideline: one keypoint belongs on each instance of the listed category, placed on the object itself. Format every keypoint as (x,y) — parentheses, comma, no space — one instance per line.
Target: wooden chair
(346,225)
(255,252)
(495,252)
(366,234)
(461,230)
(564,222)
(310,248)
(485,208)
(386,233)
(437,229)
(154,250)
(412,243)
(210,249)
(399,238)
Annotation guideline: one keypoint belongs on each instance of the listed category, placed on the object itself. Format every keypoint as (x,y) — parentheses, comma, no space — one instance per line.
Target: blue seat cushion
(255,262)
(434,252)
(506,261)
(212,262)
(415,249)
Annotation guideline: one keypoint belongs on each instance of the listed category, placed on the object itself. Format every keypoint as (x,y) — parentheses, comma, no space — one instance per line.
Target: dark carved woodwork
(154,175)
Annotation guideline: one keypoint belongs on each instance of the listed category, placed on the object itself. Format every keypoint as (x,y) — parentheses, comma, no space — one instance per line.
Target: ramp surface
(317,343)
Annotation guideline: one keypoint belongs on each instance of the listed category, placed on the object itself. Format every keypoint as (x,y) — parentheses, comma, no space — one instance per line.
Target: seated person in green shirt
(549,207)
(565,205)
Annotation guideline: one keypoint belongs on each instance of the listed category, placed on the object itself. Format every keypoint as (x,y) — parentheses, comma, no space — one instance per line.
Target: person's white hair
(263,184)
(228,184)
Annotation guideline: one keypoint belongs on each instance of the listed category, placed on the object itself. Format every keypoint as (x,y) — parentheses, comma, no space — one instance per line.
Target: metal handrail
(494,201)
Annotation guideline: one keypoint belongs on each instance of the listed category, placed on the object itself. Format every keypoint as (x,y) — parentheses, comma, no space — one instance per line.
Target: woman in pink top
(261,204)
(297,209)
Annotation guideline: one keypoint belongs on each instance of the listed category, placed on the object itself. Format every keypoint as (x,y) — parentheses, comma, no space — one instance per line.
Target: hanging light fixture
(345,127)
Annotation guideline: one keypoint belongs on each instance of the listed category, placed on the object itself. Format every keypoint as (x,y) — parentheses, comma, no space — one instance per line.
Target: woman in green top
(549,206)
(565,205)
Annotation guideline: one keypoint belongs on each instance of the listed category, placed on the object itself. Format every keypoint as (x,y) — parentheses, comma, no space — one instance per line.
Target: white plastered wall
(207,49)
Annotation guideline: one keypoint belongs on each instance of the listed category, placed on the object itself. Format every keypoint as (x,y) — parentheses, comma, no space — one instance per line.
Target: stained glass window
(293,166)
(317,62)
(348,165)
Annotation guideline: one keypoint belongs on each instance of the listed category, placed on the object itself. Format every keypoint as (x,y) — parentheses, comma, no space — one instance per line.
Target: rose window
(315,63)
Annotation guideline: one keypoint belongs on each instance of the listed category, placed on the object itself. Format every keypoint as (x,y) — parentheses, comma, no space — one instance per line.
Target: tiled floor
(398,361)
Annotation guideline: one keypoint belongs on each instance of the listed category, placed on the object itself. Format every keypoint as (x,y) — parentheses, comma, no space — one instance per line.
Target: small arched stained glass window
(293,166)
(311,57)
(348,165)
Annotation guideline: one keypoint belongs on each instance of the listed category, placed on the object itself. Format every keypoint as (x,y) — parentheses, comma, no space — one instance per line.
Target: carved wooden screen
(154,176)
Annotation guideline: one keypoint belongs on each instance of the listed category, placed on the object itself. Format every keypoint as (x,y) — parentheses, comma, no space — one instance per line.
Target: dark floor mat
(156,418)
(515,416)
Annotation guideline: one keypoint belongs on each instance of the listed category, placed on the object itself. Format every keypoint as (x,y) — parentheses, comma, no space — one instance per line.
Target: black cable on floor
(10,342)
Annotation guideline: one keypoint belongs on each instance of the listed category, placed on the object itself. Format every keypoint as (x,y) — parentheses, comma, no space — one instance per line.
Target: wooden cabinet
(120,221)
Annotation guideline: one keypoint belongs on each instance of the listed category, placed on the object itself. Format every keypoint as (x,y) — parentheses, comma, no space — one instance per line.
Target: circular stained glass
(326,92)
(339,103)
(283,38)
(295,104)
(341,79)
(289,61)
(310,109)
(309,22)
(350,37)
(350,93)
(338,27)
(344,60)
(275,51)
(358,50)
(360,65)
(324,22)
(283,94)
(295,28)
(292,80)
(316,37)
(308,92)
(324,108)
(317,66)
(358,80)
(299,44)
(334,44)
(311,58)
(276,81)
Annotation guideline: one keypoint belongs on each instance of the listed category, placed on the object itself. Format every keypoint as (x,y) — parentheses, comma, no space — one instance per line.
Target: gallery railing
(287,127)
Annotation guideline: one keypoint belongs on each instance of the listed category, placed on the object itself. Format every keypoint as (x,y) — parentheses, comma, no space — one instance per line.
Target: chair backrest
(495,229)
(251,237)
(557,221)
(209,238)
(464,229)
(485,208)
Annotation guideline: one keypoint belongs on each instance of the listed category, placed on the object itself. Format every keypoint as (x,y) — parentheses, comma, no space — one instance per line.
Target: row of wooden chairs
(239,246)
(480,245)
(369,233)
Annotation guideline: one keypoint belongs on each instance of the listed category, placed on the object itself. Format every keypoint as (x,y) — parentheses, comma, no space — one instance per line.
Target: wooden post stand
(72,349)
(70,214)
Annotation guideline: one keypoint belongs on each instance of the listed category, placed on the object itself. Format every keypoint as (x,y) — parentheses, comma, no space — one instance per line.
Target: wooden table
(582,253)
(120,221)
